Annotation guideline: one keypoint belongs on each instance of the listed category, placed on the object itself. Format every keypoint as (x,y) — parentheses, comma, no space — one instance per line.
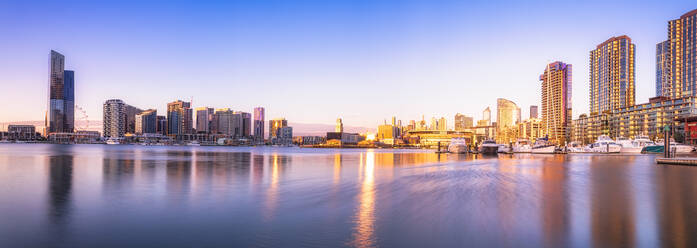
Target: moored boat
(634,146)
(488,147)
(605,144)
(542,146)
(458,145)
(522,146)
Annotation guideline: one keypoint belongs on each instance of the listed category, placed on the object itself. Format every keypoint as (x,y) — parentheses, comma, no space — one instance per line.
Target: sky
(315,61)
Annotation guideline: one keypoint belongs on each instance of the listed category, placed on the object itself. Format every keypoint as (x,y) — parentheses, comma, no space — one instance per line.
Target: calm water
(125,196)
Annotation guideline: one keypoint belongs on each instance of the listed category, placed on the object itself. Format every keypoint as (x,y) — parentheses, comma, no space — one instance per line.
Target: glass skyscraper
(259,124)
(612,75)
(60,116)
(676,58)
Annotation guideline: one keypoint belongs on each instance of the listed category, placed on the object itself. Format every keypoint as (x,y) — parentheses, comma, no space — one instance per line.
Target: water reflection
(364,219)
(612,205)
(60,187)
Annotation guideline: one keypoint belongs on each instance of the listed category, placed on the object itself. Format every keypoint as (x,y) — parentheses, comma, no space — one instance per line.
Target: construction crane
(83,121)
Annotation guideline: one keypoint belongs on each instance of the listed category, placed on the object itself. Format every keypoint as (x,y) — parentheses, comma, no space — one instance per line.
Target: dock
(677,161)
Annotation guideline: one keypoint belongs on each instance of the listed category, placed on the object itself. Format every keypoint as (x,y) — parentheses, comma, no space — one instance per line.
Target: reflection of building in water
(117,172)
(337,168)
(178,172)
(257,169)
(364,231)
(676,206)
(275,162)
(555,208)
(612,205)
(60,186)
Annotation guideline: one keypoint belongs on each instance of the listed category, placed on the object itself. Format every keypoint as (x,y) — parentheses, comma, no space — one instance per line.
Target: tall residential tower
(60,117)
(556,101)
(612,75)
(676,58)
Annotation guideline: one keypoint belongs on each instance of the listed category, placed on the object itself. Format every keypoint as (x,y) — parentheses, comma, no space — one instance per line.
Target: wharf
(677,161)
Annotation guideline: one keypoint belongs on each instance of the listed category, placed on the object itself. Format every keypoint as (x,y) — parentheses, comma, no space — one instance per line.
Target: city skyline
(93,85)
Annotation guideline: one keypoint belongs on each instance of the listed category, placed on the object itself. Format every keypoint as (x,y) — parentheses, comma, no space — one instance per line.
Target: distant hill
(299,129)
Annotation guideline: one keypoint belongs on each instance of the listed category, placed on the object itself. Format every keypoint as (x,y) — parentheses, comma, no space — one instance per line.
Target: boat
(504,149)
(542,146)
(575,147)
(458,145)
(522,146)
(488,147)
(659,147)
(193,143)
(604,144)
(634,146)
(112,141)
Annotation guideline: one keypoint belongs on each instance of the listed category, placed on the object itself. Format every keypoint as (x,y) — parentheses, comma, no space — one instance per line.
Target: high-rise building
(114,119)
(663,72)
(204,117)
(246,125)
(223,122)
(179,118)
(274,126)
(442,124)
(60,117)
(677,58)
(533,112)
(339,128)
(506,118)
(131,113)
(146,122)
(556,101)
(612,75)
(161,125)
(259,124)
(463,122)
(486,116)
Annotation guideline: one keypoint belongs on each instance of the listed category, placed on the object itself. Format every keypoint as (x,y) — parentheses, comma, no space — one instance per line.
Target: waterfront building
(339,128)
(533,112)
(60,117)
(556,101)
(22,132)
(275,125)
(146,122)
(284,137)
(676,58)
(114,118)
(130,118)
(222,122)
(587,128)
(463,122)
(387,133)
(612,75)
(507,115)
(161,125)
(432,138)
(259,124)
(530,129)
(179,118)
(312,140)
(246,125)
(204,117)
(442,124)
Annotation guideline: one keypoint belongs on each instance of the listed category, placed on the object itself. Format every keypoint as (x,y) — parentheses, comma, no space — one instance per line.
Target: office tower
(131,113)
(259,124)
(179,118)
(114,119)
(612,75)
(161,125)
(204,117)
(442,124)
(222,122)
(463,122)
(533,112)
(246,124)
(69,101)
(339,126)
(556,101)
(275,125)
(507,113)
(678,58)
(146,122)
(237,124)
(61,96)
(285,136)
(394,121)
(486,116)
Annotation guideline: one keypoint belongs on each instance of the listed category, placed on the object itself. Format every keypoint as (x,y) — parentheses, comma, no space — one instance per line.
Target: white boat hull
(457,149)
(631,149)
(522,149)
(607,149)
(543,150)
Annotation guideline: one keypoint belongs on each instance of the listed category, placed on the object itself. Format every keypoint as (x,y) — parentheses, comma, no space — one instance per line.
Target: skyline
(399,78)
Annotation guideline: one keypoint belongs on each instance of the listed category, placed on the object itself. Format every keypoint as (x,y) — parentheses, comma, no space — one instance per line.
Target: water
(126,196)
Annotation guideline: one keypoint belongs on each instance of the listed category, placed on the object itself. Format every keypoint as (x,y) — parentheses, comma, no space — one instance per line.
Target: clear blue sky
(313,61)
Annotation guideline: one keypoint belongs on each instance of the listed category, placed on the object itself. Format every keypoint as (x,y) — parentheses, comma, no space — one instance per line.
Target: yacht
(458,145)
(634,146)
(504,149)
(112,141)
(542,146)
(522,146)
(193,143)
(658,147)
(605,144)
(488,147)
(575,147)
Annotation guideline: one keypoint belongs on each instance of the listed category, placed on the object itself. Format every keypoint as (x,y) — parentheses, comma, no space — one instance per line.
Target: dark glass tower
(55,121)
(69,101)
